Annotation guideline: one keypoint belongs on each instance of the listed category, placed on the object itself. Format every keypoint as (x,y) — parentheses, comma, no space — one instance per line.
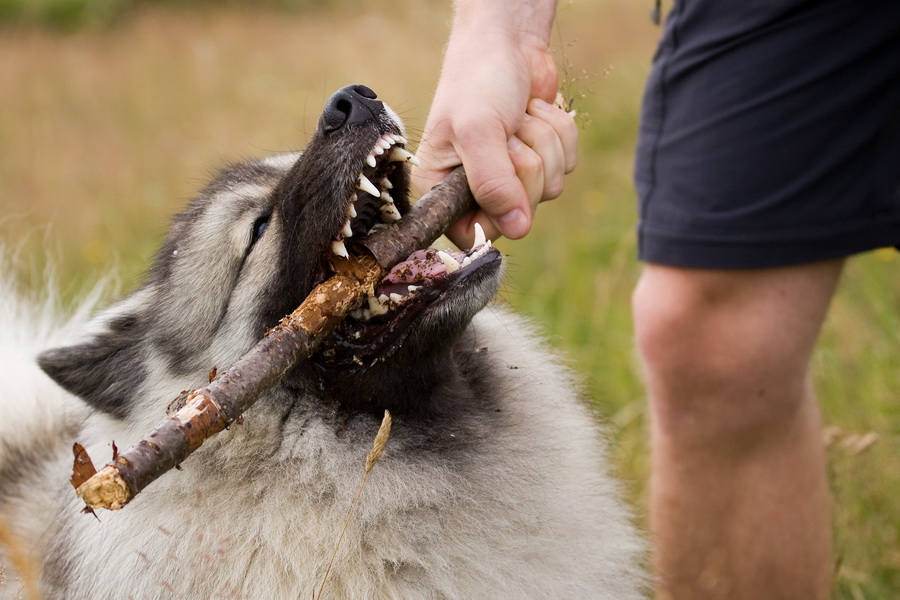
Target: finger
(542,139)
(462,233)
(564,125)
(530,170)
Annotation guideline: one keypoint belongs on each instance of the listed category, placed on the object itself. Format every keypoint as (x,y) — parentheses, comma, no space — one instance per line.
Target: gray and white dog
(493,484)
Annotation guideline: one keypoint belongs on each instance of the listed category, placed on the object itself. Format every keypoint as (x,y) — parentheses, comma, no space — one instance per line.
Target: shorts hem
(680,251)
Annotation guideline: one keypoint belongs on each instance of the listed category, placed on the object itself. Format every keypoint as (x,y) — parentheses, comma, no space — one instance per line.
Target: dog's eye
(259,228)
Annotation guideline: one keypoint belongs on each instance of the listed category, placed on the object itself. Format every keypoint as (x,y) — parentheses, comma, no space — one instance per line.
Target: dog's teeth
(365,185)
(351,211)
(346,230)
(412,288)
(378,150)
(399,139)
(450,263)
(337,246)
(399,154)
(389,213)
(370,160)
(385,143)
(396,298)
(480,238)
(386,184)
(387,198)
(466,262)
(376,307)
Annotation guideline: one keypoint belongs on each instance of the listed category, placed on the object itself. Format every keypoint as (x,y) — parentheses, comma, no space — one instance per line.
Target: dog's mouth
(437,291)
(430,285)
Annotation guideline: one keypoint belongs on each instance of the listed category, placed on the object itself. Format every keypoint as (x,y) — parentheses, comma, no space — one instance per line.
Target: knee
(715,371)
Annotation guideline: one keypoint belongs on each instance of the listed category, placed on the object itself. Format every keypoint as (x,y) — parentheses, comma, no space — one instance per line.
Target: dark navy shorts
(770,133)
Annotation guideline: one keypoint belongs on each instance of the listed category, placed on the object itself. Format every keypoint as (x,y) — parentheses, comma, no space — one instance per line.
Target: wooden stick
(213,408)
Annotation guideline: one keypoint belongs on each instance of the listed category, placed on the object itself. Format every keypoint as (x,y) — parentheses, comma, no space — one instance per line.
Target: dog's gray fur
(493,484)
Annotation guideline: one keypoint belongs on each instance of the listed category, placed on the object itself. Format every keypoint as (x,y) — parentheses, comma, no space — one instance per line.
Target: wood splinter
(211,409)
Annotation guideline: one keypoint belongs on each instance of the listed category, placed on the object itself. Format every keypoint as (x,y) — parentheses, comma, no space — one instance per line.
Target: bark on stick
(211,409)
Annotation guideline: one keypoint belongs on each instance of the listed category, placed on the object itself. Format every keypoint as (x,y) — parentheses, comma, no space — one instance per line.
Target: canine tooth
(365,185)
(337,246)
(396,298)
(399,154)
(351,211)
(480,239)
(370,160)
(387,197)
(449,262)
(390,213)
(347,231)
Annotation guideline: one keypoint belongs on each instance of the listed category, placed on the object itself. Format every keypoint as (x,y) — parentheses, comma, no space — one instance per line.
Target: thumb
(544,76)
(492,178)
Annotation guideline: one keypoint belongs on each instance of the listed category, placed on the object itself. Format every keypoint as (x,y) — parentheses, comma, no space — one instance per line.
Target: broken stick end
(105,489)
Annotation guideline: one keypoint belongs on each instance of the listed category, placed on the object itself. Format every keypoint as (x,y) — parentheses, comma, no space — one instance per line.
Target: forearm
(506,39)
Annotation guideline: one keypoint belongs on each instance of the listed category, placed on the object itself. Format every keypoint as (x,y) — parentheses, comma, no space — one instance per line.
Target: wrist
(528,21)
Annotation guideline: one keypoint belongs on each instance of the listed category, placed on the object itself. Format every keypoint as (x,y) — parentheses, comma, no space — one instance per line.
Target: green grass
(104,132)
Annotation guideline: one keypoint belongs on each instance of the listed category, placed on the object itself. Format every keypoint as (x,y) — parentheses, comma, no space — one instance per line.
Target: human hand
(492,113)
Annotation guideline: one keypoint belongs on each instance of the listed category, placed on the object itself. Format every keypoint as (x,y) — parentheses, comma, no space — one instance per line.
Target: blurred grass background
(114,112)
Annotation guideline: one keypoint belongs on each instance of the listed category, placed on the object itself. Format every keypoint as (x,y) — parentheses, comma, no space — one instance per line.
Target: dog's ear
(105,370)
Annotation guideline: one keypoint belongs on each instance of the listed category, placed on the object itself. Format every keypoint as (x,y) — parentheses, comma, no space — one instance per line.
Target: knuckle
(554,188)
(494,194)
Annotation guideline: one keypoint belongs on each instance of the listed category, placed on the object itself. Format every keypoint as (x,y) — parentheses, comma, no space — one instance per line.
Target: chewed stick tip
(106,489)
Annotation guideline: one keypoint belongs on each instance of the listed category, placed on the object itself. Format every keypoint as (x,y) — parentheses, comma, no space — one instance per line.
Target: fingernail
(514,143)
(513,224)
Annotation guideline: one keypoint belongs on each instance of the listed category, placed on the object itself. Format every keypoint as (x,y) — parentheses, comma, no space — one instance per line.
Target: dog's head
(253,245)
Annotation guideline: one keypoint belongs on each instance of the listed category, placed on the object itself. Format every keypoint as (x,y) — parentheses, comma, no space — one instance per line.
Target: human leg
(739,499)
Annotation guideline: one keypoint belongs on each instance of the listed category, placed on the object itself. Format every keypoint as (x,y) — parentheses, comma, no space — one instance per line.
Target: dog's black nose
(350,105)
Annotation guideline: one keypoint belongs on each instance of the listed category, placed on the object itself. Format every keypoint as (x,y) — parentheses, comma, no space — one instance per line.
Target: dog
(493,483)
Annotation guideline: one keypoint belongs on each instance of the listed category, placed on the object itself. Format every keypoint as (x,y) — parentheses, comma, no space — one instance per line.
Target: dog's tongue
(421,265)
